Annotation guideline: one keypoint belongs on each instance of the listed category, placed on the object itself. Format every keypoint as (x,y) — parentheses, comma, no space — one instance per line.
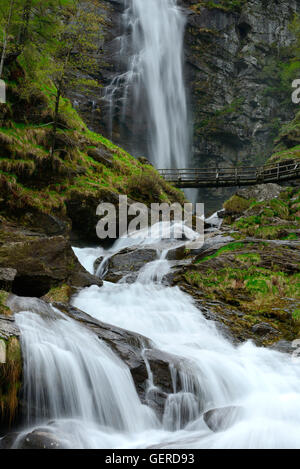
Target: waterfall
(154,81)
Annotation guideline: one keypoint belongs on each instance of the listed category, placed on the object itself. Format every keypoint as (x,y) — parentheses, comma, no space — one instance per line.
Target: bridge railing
(269,172)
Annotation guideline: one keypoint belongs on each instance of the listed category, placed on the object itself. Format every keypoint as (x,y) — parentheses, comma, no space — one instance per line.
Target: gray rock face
(102,156)
(229,55)
(261,192)
(7,277)
(8,328)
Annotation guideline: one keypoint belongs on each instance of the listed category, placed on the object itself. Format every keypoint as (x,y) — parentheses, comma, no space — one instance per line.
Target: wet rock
(264,328)
(283,346)
(176,253)
(97,263)
(40,439)
(221,213)
(82,210)
(223,418)
(128,261)
(8,440)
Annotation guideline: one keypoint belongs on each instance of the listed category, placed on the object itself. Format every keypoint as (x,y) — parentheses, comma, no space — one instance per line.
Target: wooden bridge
(232,177)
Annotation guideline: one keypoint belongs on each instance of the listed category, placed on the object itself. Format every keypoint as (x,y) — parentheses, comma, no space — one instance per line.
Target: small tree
(74,51)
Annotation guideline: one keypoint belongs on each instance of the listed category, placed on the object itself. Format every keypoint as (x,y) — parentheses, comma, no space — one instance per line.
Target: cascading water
(77,382)
(153,40)
(263,383)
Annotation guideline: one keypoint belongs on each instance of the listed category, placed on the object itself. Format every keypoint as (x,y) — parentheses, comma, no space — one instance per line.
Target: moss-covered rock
(248,283)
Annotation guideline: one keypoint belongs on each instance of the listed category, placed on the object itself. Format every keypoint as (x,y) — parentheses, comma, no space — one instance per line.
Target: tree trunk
(5,37)
(25,23)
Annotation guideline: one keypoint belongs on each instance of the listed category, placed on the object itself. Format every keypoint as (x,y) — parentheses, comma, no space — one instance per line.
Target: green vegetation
(61,294)
(288,142)
(10,380)
(225,5)
(274,219)
(47,154)
(4,310)
(260,286)
(237,204)
(230,247)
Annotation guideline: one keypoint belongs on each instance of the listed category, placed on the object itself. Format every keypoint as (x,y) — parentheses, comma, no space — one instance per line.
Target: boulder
(128,261)
(222,418)
(263,328)
(41,438)
(42,263)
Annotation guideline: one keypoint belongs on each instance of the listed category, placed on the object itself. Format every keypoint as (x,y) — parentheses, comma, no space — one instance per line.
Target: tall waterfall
(153,40)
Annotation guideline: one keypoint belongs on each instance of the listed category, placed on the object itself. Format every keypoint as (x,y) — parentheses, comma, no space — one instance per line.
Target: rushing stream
(79,390)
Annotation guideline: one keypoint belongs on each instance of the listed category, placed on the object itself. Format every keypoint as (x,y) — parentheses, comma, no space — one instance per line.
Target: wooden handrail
(234,176)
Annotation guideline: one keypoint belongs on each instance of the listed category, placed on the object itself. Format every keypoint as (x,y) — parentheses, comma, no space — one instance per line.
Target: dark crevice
(243,30)
(31,286)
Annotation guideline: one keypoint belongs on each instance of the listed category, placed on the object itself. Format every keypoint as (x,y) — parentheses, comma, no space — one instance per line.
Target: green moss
(59,294)
(224,5)
(248,258)
(253,289)
(228,248)
(236,204)
(4,310)
(296,314)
